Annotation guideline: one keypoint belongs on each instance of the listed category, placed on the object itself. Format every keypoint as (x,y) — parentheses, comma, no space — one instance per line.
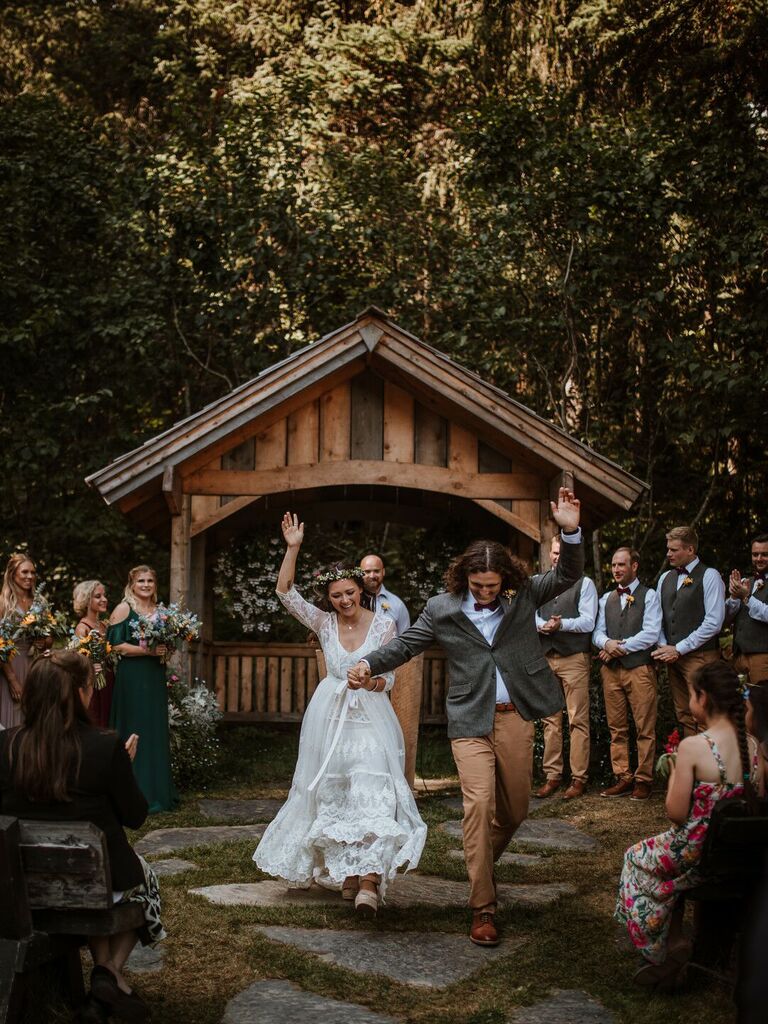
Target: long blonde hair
(82,595)
(128,594)
(9,593)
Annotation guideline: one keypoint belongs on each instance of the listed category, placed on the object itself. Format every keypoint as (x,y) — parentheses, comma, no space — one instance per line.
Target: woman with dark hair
(58,766)
(720,762)
(350,820)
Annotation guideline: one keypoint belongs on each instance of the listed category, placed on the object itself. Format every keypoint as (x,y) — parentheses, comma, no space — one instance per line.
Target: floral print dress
(658,869)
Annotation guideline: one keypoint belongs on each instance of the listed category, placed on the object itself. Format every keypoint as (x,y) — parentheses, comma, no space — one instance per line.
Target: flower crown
(334,575)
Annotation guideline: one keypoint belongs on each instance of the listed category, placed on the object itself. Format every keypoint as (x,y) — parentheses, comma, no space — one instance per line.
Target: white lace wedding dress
(350,810)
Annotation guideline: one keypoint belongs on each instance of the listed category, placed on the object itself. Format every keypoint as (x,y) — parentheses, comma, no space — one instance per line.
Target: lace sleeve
(312,617)
(389,634)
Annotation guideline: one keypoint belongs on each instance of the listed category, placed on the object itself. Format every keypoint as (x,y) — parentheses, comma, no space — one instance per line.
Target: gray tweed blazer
(472,661)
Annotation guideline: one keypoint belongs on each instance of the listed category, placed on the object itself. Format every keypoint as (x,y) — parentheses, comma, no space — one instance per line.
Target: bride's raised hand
(293,530)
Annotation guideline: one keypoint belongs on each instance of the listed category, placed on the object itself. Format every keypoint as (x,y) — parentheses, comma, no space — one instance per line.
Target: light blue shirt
(714,609)
(757,610)
(391,605)
(651,628)
(585,620)
(487,622)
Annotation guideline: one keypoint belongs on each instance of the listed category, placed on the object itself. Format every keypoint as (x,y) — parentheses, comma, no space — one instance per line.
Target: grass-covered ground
(213,952)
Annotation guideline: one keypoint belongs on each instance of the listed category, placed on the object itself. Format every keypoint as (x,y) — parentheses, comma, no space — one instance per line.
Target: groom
(499,682)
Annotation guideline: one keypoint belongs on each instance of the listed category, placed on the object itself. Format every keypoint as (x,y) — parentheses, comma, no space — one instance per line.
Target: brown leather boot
(483,931)
(577,788)
(641,791)
(622,788)
(550,786)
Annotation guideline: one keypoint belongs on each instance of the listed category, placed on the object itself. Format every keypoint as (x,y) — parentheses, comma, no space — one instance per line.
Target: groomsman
(693,608)
(747,609)
(565,627)
(381,598)
(628,627)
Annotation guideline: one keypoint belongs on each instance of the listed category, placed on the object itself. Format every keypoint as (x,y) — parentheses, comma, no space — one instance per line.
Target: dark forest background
(569,198)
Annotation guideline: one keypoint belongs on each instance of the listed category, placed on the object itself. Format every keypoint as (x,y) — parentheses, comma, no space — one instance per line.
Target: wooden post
(406,702)
(180,569)
(196,601)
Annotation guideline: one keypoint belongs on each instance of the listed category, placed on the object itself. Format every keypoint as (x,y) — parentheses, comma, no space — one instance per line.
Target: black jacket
(105,792)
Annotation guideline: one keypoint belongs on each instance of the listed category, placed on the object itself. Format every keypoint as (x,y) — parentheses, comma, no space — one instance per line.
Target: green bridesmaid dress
(140,705)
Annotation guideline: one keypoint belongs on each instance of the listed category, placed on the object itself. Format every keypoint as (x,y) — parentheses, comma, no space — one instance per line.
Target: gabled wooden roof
(371,340)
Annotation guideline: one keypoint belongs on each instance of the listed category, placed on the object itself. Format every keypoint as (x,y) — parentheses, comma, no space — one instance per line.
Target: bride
(350,818)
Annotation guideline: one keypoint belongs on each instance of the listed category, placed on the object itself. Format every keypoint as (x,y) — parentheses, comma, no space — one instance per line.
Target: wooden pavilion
(368,423)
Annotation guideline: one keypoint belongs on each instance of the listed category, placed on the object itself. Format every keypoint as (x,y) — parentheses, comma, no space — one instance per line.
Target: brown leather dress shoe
(483,931)
(577,788)
(622,788)
(550,786)
(641,791)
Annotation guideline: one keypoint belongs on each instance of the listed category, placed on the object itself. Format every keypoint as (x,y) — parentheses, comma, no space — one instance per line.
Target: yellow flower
(688,581)
(630,599)
(509,594)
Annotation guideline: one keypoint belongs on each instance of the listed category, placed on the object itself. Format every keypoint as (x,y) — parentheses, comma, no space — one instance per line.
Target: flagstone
(516,859)
(565,1006)
(413,890)
(245,810)
(171,866)
(145,960)
(168,840)
(427,959)
(541,833)
(275,1002)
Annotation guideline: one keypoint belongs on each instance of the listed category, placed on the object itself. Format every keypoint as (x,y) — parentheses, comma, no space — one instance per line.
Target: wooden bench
(733,861)
(55,891)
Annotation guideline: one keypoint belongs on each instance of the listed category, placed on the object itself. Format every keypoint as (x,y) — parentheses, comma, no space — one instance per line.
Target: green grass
(212,953)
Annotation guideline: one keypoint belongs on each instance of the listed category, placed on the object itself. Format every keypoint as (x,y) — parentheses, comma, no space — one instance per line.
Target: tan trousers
(495,776)
(573,672)
(680,674)
(632,689)
(753,666)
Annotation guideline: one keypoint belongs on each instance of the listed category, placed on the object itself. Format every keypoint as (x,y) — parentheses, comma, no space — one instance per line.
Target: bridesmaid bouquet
(169,626)
(96,647)
(668,758)
(40,623)
(8,647)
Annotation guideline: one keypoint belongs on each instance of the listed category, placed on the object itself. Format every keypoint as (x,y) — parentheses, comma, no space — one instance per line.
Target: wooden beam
(180,552)
(511,518)
(221,513)
(172,490)
(462,450)
(398,424)
(335,412)
(334,474)
(304,434)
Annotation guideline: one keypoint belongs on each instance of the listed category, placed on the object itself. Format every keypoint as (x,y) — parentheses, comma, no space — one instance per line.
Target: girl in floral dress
(350,820)
(719,762)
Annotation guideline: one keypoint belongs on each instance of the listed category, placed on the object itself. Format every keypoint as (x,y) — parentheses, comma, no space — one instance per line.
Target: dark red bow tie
(624,590)
(761,575)
(487,607)
(682,570)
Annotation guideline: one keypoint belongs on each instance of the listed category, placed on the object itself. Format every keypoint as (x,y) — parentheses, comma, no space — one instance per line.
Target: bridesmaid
(139,699)
(16,595)
(90,603)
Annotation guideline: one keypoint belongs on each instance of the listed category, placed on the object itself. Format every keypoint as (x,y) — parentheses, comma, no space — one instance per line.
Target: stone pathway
(426,959)
(275,1002)
(542,834)
(172,866)
(564,1006)
(523,860)
(455,803)
(245,810)
(169,840)
(413,890)
(144,960)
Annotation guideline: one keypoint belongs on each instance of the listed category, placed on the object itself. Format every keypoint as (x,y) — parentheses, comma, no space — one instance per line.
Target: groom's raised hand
(567,510)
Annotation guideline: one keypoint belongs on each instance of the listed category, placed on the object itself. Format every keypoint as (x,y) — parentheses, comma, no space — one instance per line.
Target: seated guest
(58,766)
(720,762)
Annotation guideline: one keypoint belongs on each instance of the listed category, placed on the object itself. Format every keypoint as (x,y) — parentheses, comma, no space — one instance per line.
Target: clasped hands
(611,650)
(359,677)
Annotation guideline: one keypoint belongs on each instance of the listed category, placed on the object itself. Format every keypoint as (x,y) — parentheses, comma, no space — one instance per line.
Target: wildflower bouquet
(96,647)
(169,626)
(8,647)
(668,758)
(39,623)
(192,716)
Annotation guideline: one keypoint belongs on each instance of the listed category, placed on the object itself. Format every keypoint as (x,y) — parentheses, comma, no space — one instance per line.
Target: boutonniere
(385,605)
(760,584)
(509,594)
(630,599)
(688,581)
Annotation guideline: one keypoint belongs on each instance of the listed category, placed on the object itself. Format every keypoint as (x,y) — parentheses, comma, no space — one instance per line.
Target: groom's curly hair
(485,556)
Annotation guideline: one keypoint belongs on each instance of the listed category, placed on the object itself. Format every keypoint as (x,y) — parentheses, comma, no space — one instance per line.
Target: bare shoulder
(120,613)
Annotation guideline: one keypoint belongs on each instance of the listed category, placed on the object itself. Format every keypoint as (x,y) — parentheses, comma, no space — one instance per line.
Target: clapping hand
(567,511)
(293,530)
(737,587)
(552,624)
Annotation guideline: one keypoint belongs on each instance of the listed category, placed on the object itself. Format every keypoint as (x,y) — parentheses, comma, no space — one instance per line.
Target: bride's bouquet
(96,647)
(169,626)
(39,624)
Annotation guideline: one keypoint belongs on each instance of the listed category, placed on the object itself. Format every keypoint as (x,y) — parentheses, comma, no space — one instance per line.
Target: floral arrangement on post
(192,716)
(669,757)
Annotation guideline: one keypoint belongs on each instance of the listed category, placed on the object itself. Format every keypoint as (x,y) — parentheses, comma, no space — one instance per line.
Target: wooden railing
(274,682)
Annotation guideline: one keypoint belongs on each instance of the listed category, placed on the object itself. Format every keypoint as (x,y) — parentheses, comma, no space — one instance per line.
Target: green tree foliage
(569,198)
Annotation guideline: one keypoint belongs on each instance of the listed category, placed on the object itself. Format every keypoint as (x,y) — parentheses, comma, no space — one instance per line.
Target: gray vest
(620,625)
(567,605)
(749,635)
(683,609)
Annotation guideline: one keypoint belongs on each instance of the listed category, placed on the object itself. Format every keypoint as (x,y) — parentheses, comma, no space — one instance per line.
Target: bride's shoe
(350,888)
(366,903)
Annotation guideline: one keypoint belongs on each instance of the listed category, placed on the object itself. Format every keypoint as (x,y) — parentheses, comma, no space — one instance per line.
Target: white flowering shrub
(192,716)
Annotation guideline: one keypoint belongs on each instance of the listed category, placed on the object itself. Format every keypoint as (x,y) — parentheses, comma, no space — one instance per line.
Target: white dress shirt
(391,605)
(584,622)
(757,609)
(714,609)
(487,622)
(651,628)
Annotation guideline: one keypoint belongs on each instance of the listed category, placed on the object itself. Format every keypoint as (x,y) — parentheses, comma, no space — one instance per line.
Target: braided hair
(719,682)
